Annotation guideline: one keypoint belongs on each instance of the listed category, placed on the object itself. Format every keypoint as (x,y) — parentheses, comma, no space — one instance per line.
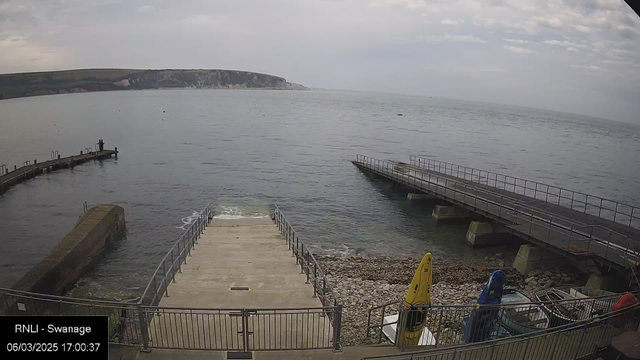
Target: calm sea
(242,151)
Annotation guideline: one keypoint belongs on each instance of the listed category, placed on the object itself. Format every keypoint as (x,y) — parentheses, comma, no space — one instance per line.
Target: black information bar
(47,337)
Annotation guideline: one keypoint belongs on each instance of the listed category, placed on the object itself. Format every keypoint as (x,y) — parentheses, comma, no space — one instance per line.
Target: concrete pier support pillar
(449,214)
(421,197)
(486,234)
(531,257)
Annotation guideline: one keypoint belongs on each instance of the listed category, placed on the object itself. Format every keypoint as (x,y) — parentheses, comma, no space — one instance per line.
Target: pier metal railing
(243,330)
(571,341)
(572,237)
(615,211)
(171,263)
(308,263)
(148,325)
(192,328)
(457,324)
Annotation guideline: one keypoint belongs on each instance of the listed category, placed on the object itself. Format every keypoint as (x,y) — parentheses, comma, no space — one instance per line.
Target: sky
(578,56)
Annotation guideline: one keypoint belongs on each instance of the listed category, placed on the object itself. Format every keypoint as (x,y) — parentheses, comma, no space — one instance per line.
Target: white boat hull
(390,327)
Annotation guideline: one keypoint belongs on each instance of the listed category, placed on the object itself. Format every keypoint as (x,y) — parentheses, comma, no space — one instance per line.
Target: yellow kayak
(417,299)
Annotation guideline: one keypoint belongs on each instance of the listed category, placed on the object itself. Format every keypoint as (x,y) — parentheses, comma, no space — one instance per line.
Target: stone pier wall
(76,252)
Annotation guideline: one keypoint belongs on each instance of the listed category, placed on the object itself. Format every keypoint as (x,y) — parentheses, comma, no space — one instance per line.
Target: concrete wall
(76,252)
(483,233)
(531,257)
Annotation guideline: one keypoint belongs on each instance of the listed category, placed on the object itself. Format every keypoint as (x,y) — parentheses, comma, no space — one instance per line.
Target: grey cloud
(355,44)
(518,50)
(593,5)
(628,20)
(627,32)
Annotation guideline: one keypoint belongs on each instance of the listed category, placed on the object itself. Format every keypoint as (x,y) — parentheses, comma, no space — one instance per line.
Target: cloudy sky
(580,56)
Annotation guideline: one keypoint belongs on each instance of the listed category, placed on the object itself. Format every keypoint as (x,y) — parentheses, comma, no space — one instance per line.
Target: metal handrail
(237,309)
(141,325)
(516,210)
(64,299)
(306,261)
(555,331)
(188,241)
(493,179)
(493,306)
(466,308)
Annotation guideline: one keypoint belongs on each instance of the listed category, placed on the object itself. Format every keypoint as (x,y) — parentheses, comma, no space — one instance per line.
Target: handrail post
(179,262)
(155,288)
(173,261)
(324,289)
(302,259)
(600,209)
(315,279)
(292,239)
(586,201)
(337,327)
(570,235)
(400,329)
(245,330)
(143,328)
(164,272)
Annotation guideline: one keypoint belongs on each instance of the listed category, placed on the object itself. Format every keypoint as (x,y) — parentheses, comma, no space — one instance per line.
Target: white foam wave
(187,221)
(232,213)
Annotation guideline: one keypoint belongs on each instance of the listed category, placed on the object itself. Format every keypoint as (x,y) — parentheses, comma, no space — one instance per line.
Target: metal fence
(192,328)
(126,325)
(449,325)
(244,329)
(594,205)
(567,342)
(308,263)
(172,262)
(147,325)
(575,238)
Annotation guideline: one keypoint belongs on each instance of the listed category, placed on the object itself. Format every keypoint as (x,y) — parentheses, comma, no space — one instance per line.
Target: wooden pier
(30,170)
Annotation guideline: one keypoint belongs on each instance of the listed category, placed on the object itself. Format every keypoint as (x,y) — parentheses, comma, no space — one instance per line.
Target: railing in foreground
(126,324)
(594,205)
(567,342)
(452,324)
(172,262)
(244,329)
(308,263)
(575,238)
(146,325)
(192,328)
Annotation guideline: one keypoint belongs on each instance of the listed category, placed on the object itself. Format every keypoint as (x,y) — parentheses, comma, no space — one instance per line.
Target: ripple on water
(298,155)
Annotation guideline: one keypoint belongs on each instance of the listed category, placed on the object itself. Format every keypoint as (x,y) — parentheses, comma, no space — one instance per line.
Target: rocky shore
(361,283)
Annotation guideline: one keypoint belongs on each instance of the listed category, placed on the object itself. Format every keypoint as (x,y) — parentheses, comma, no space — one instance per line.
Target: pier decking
(29,170)
(241,289)
(564,230)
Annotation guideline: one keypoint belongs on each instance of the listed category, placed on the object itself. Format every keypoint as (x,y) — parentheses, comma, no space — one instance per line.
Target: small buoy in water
(400,114)
(163,111)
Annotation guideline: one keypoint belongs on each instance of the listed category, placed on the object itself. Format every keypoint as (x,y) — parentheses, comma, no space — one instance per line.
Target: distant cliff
(85,80)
